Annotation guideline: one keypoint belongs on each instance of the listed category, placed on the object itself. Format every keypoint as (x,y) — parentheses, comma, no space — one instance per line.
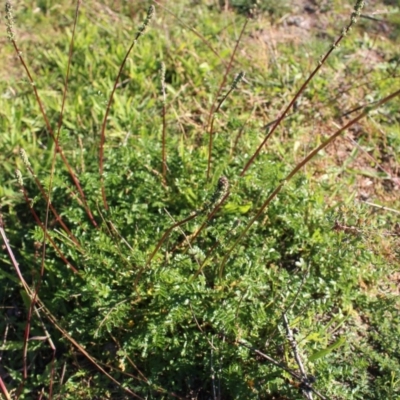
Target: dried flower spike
(357,11)
(19,177)
(218,195)
(10,22)
(24,157)
(162,73)
(238,78)
(142,29)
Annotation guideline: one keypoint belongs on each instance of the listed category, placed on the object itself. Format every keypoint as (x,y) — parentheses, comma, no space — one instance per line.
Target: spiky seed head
(150,14)
(223,185)
(10,21)
(357,11)
(238,78)
(19,177)
(24,157)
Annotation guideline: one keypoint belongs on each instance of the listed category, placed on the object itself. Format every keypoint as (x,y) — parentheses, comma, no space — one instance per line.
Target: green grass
(167,313)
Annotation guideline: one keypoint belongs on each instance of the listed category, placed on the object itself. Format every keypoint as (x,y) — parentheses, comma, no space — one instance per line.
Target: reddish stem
(299,92)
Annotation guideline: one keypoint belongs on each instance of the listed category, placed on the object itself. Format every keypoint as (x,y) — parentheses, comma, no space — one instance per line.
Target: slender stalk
(47,199)
(298,167)
(354,16)
(4,390)
(51,317)
(164,122)
(293,344)
(41,225)
(58,148)
(141,30)
(273,362)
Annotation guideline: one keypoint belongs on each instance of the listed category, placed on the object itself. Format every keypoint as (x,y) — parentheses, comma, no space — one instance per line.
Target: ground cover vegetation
(168,234)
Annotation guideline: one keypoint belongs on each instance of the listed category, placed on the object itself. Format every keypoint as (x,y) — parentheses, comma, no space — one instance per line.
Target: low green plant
(149,269)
